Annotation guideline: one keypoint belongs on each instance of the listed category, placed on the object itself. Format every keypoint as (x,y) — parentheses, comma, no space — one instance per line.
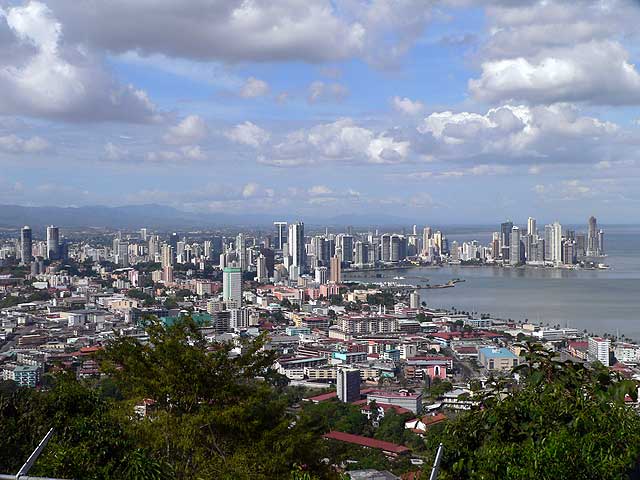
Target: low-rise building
(497,358)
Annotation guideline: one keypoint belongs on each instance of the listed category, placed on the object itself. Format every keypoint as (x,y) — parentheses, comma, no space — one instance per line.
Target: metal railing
(22,473)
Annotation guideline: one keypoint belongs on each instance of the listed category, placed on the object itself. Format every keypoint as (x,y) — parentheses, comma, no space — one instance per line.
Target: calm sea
(596,300)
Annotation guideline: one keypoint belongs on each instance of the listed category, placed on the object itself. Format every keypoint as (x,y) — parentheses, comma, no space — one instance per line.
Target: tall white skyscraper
(232,285)
(53,243)
(261,269)
(296,245)
(556,243)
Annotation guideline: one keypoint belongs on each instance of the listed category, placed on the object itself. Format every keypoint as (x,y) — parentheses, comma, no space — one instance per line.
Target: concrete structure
(232,285)
(599,350)
(497,359)
(402,398)
(348,385)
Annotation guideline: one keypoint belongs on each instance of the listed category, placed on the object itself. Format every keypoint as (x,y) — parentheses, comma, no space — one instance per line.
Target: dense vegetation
(563,421)
(222,413)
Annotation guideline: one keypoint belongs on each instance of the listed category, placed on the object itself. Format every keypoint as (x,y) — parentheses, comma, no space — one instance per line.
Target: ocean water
(598,301)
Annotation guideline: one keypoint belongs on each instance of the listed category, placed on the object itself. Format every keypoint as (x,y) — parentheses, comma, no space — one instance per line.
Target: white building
(232,285)
(599,350)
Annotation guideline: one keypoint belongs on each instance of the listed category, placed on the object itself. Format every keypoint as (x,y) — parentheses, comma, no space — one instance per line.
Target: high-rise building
(414,300)
(143,234)
(556,243)
(531,226)
(336,270)
(548,241)
(592,236)
(601,242)
(241,252)
(515,250)
(53,243)
(598,350)
(262,275)
(385,246)
(346,246)
(321,275)
(348,385)
(232,285)
(362,253)
(505,233)
(296,245)
(26,245)
(123,254)
(167,256)
(281,235)
(426,236)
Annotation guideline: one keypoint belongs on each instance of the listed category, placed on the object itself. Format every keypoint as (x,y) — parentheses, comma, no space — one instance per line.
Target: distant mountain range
(163,217)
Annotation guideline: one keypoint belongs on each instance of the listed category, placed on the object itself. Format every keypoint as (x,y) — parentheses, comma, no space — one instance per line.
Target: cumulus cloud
(543,52)
(190,130)
(248,133)
(407,106)
(46,77)
(556,133)
(14,144)
(342,140)
(595,72)
(380,31)
(254,87)
(327,92)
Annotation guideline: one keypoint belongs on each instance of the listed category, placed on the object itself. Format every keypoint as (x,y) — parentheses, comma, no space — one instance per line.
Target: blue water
(596,300)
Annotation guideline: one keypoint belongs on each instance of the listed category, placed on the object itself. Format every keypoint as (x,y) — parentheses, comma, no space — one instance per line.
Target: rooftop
(366,442)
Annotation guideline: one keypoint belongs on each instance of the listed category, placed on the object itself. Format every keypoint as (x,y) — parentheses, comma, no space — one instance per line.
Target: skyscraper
(515,250)
(531,226)
(53,243)
(505,233)
(281,234)
(556,243)
(26,245)
(232,285)
(261,269)
(296,245)
(336,269)
(346,246)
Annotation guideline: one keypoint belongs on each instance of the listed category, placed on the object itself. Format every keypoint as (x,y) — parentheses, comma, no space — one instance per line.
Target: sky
(450,111)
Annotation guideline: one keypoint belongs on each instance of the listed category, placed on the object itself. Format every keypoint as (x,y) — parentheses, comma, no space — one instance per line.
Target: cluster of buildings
(552,246)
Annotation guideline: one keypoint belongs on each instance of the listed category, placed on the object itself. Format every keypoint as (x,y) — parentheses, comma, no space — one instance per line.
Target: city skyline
(388,108)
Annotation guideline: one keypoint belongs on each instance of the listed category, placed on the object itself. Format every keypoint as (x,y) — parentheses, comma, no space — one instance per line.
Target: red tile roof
(366,442)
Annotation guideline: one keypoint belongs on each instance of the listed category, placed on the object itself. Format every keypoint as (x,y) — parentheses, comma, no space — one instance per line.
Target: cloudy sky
(444,111)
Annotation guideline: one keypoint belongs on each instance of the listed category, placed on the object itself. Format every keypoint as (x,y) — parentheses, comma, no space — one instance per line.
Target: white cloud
(407,106)
(539,134)
(597,72)
(115,153)
(14,144)
(253,88)
(319,190)
(542,52)
(337,141)
(327,92)
(248,133)
(44,77)
(190,130)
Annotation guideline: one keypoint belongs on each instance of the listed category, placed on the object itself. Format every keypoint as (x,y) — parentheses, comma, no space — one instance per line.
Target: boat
(398,278)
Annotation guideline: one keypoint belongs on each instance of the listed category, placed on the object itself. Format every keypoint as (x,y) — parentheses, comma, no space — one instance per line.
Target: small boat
(398,278)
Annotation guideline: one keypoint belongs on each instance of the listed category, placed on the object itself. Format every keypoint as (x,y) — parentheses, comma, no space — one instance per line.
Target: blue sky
(451,111)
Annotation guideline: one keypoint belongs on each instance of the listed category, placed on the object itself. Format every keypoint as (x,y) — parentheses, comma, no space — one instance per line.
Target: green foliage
(564,421)
(211,417)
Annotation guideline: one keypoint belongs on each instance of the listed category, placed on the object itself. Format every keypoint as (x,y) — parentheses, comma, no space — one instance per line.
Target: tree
(564,420)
